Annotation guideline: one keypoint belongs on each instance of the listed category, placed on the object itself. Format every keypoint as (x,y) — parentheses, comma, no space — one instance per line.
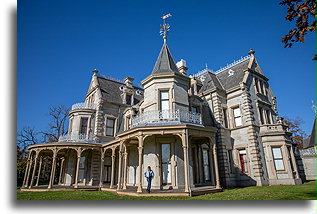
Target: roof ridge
(110,78)
(118,80)
(242,59)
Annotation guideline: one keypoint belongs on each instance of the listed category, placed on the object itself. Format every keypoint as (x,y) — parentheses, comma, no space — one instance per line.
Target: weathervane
(165,27)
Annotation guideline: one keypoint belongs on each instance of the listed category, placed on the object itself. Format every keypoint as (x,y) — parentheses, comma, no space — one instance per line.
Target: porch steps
(205,190)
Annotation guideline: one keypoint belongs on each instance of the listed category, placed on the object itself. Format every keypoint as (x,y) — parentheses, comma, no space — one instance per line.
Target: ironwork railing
(308,152)
(81,138)
(166,116)
(84,106)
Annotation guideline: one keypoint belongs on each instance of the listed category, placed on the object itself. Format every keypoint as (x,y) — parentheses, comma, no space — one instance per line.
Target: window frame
(234,117)
(113,128)
(164,99)
(245,162)
(278,158)
(225,117)
(81,124)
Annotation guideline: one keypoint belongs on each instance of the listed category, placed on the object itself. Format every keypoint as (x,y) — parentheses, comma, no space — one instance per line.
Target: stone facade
(199,133)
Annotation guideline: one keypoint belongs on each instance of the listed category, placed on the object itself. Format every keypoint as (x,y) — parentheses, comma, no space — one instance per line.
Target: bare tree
(57,125)
(26,137)
(294,126)
(304,13)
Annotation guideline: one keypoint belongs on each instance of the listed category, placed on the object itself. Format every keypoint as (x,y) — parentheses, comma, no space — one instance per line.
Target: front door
(166,164)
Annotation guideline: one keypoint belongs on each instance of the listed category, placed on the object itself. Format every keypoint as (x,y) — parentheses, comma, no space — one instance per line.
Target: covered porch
(183,158)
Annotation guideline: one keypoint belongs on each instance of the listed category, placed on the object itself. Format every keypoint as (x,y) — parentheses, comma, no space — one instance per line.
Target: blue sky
(60,42)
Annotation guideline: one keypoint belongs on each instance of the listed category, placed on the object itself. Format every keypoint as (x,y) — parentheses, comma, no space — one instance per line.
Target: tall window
(164,105)
(257,85)
(278,158)
(243,161)
(83,125)
(237,116)
(81,169)
(261,115)
(230,160)
(198,88)
(128,99)
(110,127)
(268,117)
(225,120)
(206,165)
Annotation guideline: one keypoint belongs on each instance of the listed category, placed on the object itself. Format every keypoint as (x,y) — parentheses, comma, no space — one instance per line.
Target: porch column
(125,169)
(216,167)
(120,168)
(102,163)
(39,172)
(34,169)
(113,158)
(61,171)
(140,148)
(294,163)
(52,170)
(185,151)
(77,166)
(28,172)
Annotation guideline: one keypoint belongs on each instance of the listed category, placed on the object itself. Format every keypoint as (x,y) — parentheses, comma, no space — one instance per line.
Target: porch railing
(84,106)
(165,117)
(80,138)
(308,152)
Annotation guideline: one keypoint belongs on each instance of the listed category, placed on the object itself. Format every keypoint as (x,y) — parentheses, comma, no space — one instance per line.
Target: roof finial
(206,66)
(251,52)
(95,71)
(165,27)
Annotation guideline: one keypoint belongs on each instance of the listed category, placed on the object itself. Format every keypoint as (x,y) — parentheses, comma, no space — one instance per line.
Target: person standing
(149,174)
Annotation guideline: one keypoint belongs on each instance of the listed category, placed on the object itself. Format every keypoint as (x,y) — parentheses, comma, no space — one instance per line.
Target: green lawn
(306,191)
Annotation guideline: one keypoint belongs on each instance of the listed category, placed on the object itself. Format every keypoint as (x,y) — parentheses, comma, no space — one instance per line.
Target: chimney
(181,65)
(128,81)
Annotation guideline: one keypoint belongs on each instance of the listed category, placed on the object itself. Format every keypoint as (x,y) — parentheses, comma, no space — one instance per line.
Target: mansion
(199,133)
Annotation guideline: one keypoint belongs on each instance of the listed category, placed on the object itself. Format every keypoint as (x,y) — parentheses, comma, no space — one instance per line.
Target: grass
(306,191)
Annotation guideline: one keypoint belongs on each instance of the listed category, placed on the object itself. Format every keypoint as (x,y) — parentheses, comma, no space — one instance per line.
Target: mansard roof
(232,76)
(165,62)
(210,81)
(229,76)
(111,92)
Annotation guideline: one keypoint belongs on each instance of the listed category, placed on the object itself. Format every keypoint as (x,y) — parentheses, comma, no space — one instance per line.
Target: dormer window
(128,99)
(195,109)
(260,86)
(198,88)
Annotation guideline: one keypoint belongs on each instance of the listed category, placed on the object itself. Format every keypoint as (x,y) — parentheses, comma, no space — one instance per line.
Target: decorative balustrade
(81,138)
(84,106)
(165,117)
(308,152)
(272,128)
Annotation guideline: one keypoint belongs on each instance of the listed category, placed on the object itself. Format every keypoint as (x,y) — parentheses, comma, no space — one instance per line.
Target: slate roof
(230,81)
(165,62)
(222,79)
(210,82)
(110,90)
(311,140)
